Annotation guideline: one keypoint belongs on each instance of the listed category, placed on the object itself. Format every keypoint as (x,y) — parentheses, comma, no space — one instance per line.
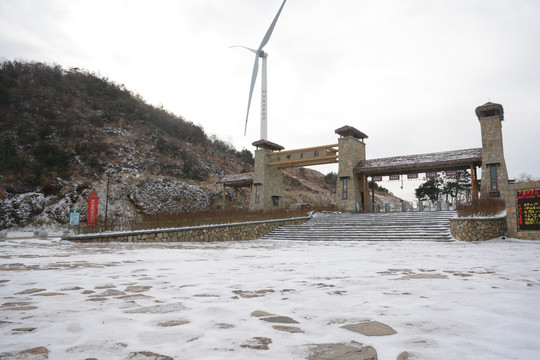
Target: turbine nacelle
(259,53)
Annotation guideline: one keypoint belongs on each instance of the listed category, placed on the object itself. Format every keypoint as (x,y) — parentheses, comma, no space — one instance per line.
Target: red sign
(92,209)
(412,176)
(376,178)
(528,209)
(451,173)
(431,175)
(393,177)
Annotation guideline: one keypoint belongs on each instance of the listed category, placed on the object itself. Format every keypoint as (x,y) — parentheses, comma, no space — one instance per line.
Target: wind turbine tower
(259,53)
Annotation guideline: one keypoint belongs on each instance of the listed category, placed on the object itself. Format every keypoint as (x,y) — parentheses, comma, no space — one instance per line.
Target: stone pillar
(350,186)
(267,193)
(386,207)
(420,205)
(491,116)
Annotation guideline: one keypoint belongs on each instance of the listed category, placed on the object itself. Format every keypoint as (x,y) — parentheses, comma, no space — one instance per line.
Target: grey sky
(408,73)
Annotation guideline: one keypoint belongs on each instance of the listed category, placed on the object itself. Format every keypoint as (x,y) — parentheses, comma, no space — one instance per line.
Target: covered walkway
(467,159)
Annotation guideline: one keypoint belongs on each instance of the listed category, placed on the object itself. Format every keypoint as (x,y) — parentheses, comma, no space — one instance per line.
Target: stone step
(425,226)
(437,239)
(367,232)
(374,235)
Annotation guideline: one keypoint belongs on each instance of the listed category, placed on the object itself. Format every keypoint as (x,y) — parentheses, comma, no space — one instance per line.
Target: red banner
(376,178)
(393,177)
(431,175)
(92,209)
(451,173)
(412,176)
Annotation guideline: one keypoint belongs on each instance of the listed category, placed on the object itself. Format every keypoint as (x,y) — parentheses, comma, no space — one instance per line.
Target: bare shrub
(176,220)
(481,207)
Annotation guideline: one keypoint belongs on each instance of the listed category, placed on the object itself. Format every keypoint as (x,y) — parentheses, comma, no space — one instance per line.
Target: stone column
(351,151)
(491,116)
(267,193)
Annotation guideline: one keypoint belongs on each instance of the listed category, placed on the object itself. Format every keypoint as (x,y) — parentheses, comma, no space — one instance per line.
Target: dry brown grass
(160,221)
(481,207)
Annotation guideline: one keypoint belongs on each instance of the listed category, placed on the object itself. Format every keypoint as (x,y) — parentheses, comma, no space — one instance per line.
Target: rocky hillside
(64,133)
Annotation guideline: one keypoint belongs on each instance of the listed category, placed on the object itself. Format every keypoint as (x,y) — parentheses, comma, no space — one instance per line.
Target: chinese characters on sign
(393,177)
(528,209)
(92,209)
(74,216)
(431,175)
(451,173)
(412,176)
(377,178)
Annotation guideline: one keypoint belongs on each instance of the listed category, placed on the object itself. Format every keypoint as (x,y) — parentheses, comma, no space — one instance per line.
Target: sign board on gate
(431,175)
(74,216)
(393,177)
(377,178)
(528,209)
(412,176)
(92,209)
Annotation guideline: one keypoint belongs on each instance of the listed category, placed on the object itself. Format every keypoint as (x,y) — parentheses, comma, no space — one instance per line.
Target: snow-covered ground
(200,301)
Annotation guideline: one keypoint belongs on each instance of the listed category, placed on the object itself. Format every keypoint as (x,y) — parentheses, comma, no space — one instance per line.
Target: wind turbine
(259,53)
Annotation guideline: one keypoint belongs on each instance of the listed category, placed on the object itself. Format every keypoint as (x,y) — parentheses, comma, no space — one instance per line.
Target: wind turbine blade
(271,28)
(253,79)
(245,47)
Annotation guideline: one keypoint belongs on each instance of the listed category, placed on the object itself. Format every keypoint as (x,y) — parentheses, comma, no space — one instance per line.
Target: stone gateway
(354,172)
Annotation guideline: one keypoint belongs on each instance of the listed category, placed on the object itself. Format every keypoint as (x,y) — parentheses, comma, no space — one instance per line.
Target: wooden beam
(282,164)
(364,198)
(474,183)
(289,166)
(303,150)
(372,195)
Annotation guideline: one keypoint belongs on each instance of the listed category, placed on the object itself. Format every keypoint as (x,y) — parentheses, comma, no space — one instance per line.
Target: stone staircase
(417,226)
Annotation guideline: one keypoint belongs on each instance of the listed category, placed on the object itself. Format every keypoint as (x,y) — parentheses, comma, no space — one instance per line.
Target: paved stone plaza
(270,300)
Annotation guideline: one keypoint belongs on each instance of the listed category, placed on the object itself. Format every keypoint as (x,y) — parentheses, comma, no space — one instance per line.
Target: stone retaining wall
(477,229)
(226,232)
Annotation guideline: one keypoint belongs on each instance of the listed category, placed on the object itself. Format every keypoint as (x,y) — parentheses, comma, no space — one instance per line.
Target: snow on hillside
(268,299)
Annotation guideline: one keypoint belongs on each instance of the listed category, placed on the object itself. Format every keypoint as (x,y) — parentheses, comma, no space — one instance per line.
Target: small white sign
(74,216)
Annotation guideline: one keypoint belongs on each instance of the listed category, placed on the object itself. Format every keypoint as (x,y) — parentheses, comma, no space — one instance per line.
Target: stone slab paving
(269,300)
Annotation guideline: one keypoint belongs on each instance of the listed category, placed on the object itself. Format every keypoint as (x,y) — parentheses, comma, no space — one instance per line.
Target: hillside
(64,133)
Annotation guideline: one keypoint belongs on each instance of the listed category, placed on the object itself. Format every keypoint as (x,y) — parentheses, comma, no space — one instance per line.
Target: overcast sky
(408,73)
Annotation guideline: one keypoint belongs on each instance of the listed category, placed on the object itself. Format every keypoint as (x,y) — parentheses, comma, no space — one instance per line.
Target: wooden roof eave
(235,184)
(413,168)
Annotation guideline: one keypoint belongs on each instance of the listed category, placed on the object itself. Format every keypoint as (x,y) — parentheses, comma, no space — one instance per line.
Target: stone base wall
(226,232)
(477,229)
